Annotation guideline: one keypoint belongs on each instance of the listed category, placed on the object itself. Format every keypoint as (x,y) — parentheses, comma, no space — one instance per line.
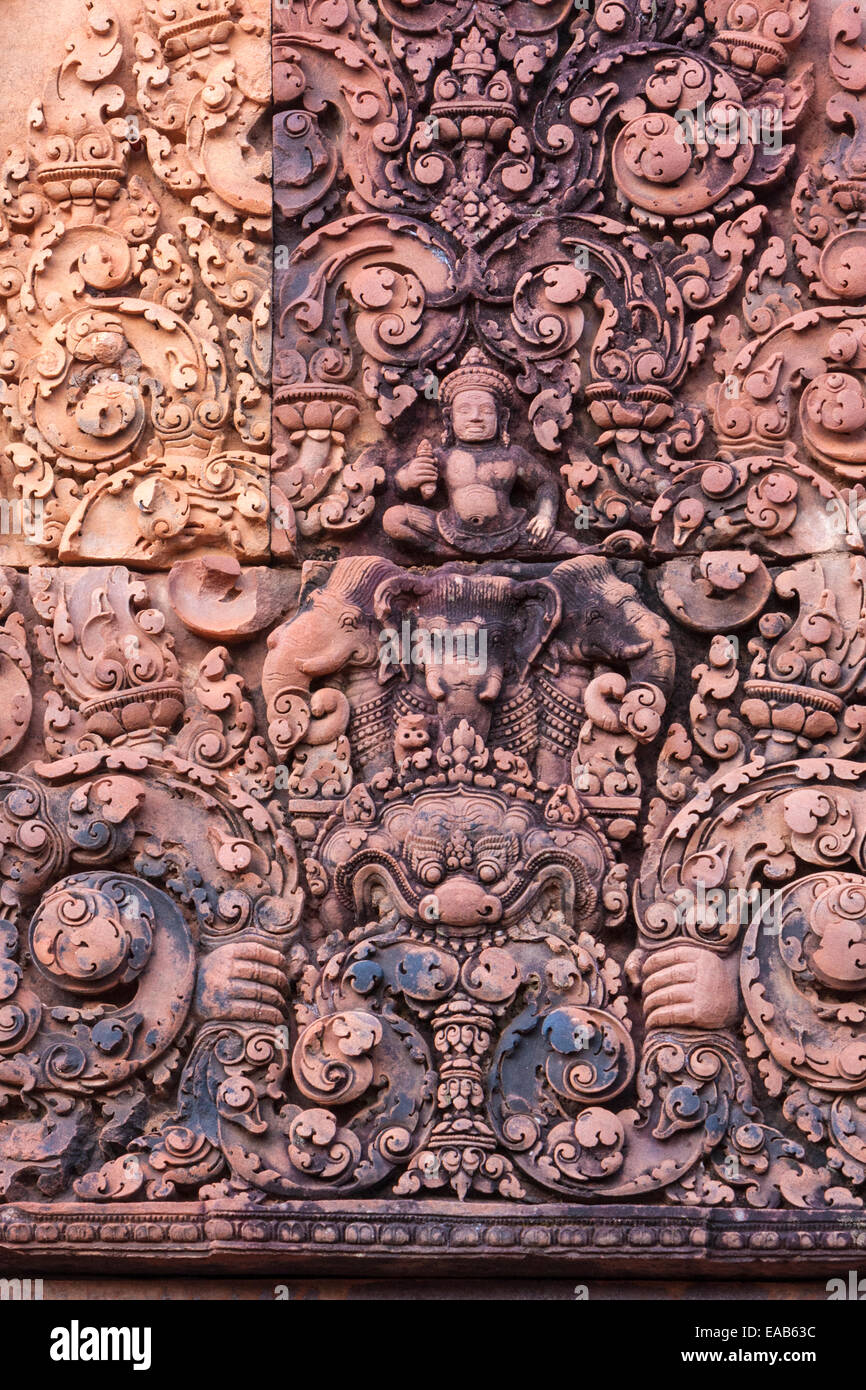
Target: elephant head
(334,628)
(605,621)
(609,671)
(479,634)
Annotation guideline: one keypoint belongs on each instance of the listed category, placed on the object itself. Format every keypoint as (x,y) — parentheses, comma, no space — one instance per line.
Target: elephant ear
(539,609)
(393,602)
(395,596)
(314,575)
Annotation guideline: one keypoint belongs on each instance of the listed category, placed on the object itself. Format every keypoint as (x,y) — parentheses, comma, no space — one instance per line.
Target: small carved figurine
(480,469)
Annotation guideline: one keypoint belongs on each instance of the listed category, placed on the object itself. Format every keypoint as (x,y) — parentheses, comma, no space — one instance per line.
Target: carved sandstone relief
(501,841)
(303,914)
(135,281)
(388,957)
(536,337)
(529,193)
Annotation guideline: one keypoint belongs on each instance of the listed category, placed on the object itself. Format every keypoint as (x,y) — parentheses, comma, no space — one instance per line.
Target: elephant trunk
(294,714)
(652,659)
(280,676)
(462,702)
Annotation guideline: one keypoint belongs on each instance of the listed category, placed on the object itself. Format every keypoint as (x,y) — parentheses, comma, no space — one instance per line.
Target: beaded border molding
(336,1235)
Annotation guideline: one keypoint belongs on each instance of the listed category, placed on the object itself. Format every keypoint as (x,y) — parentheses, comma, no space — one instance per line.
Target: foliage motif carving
(135,274)
(475,809)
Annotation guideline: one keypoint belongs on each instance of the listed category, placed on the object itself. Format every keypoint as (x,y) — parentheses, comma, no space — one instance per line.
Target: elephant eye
(593,615)
(348,620)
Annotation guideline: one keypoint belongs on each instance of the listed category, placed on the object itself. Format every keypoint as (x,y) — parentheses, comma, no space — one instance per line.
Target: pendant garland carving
(469,800)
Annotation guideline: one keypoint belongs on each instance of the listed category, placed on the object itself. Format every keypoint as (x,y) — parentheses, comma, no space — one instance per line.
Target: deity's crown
(475,371)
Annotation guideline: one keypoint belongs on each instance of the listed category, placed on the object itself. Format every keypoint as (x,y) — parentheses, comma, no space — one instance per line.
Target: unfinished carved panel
(135,280)
(486,872)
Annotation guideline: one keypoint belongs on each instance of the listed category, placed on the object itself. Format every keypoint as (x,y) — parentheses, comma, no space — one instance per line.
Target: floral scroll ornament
(136,362)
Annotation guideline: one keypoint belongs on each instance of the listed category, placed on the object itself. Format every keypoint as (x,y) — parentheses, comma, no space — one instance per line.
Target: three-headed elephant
(474,638)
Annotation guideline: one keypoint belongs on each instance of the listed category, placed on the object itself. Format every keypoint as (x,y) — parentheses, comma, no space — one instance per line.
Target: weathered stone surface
(135,276)
(453,838)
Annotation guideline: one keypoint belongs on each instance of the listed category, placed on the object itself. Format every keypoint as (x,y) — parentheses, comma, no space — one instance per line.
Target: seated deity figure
(479,469)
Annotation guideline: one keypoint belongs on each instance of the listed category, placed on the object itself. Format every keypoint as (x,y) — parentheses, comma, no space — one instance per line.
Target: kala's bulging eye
(424,856)
(489,871)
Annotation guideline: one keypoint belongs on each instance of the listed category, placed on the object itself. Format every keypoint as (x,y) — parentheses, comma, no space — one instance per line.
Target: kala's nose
(461,902)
